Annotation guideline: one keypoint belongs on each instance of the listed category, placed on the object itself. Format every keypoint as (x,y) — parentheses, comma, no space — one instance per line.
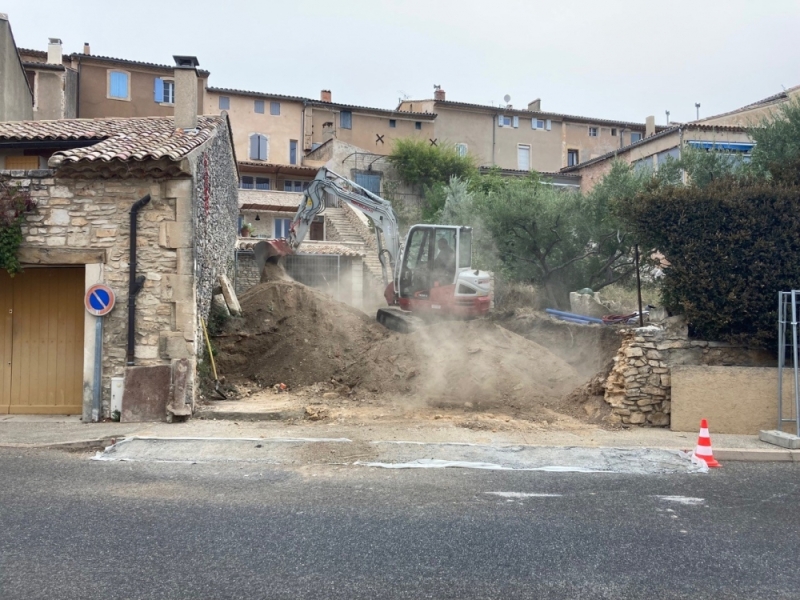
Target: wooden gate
(41,341)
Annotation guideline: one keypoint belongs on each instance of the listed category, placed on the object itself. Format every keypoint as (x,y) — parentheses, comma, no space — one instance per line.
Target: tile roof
(319,103)
(784,95)
(121,139)
(538,113)
(660,134)
(81,56)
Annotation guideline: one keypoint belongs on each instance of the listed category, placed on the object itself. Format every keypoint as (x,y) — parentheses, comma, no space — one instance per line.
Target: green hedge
(732,246)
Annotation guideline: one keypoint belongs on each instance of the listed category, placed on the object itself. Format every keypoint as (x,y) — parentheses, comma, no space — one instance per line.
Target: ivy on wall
(15,204)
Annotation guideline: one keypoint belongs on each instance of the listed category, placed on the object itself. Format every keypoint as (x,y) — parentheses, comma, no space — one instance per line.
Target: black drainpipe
(134,283)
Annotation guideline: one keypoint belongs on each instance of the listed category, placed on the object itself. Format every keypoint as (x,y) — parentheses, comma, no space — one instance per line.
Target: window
(461,149)
(224,103)
(592,131)
(539,124)
(614,131)
(248,182)
(292,152)
(282,228)
(392,123)
(418,125)
(259,147)
(503,121)
(262,183)
(258,106)
(346,119)
(164,91)
(294,186)
(275,108)
(572,158)
(545,124)
(523,157)
(118,85)
(635,136)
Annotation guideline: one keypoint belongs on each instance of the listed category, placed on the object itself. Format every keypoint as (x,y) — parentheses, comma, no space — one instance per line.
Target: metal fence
(321,271)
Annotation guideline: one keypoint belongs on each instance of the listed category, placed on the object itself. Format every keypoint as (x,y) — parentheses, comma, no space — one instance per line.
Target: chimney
(438,93)
(54,52)
(86,48)
(535,105)
(186,92)
(649,126)
(325,96)
(328,132)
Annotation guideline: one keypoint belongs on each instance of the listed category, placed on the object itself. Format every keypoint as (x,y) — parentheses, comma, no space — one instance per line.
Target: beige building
(53,81)
(16,96)
(523,139)
(655,150)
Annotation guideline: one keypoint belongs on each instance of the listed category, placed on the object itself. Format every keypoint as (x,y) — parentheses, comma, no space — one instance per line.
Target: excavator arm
(378,210)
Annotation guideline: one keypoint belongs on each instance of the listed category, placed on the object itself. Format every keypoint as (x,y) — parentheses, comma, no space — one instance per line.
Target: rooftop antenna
(666,111)
(507,99)
(697,106)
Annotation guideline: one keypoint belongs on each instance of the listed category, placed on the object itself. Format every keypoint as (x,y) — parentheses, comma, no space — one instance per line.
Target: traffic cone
(703,451)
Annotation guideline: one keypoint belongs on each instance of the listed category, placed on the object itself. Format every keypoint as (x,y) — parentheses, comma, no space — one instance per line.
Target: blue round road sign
(99,300)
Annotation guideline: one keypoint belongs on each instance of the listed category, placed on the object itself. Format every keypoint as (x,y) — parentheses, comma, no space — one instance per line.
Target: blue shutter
(346,119)
(516,121)
(254,147)
(548,124)
(499,120)
(119,85)
(262,147)
(158,92)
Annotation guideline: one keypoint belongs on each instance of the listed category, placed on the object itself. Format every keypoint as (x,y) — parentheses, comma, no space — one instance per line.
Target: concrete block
(147,391)
(230,295)
(780,438)
(182,401)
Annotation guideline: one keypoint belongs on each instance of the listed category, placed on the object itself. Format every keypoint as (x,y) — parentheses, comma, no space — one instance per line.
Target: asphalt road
(74,528)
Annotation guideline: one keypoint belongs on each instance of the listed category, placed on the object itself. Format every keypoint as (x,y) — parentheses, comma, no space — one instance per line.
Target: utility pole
(697,106)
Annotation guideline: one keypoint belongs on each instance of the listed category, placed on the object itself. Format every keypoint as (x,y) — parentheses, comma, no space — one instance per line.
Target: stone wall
(639,387)
(247,274)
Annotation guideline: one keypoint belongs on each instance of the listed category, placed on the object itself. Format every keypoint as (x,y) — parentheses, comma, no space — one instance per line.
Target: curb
(757,455)
(72,446)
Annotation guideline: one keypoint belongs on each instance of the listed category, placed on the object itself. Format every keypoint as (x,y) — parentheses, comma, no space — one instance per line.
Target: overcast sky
(619,59)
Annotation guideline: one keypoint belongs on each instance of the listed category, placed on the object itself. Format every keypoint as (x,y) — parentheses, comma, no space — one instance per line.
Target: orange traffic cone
(703,450)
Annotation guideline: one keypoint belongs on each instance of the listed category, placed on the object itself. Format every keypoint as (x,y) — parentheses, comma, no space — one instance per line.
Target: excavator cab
(436,273)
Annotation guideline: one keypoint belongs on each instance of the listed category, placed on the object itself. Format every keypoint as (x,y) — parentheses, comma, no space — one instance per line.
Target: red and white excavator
(431,274)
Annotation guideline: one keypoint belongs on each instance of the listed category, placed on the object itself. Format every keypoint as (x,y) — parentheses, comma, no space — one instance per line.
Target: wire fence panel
(321,271)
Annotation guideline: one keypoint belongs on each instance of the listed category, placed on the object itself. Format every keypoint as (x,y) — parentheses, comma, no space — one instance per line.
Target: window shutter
(533,123)
(158,92)
(262,147)
(548,124)
(254,147)
(516,121)
(499,120)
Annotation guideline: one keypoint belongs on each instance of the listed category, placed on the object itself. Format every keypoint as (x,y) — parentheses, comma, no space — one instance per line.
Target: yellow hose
(210,353)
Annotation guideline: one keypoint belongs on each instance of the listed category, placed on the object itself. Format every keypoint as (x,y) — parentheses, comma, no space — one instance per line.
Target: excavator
(430,275)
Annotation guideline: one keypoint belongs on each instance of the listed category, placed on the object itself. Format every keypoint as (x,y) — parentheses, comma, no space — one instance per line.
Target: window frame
(418,125)
(614,131)
(275,108)
(293,147)
(639,133)
(530,157)
(127,74)
(392,123)
(164,82)
(284,223)
(256,105)
(573,152)
(596,131)
(250,149)
(459,146)
(348,119)
(228,101)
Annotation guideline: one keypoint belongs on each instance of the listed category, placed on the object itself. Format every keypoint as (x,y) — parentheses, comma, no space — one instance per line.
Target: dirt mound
(299,336)
(475,362)
(293,334)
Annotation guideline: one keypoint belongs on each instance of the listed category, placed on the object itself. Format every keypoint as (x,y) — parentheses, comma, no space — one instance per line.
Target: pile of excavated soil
(473,363)
(296,335)
(293,334)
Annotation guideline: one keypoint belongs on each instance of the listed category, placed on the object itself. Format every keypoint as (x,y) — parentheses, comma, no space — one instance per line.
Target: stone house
(176,180)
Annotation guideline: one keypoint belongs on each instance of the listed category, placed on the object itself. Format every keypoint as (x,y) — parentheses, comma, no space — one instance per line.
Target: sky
(613,59)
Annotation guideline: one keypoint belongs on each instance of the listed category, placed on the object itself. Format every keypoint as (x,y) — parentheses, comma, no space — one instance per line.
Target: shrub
(14,205)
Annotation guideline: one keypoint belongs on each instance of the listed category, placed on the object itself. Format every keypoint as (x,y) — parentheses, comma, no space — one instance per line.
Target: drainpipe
(134,283)
(494,133)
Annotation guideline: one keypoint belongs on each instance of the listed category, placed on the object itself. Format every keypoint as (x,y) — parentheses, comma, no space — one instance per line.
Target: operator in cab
(445,261)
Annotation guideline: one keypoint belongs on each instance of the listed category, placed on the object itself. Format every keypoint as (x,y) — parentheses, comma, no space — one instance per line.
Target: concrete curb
(757,455)
(71,446)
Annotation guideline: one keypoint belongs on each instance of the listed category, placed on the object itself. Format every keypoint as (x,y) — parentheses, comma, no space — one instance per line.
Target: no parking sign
(99,300)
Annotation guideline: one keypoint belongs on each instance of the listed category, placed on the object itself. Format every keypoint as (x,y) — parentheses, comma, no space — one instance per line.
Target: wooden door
(6,308)
(47,341)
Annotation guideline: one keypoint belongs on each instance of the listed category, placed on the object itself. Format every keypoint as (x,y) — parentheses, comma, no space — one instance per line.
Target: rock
(316,413)
(658,419)
(633,352)
(637,418)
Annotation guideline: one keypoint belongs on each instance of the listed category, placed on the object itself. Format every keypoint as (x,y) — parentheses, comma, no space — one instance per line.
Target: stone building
(16,96)
(176,178)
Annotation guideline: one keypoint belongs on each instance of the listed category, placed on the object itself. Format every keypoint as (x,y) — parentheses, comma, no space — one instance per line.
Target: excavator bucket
(270,251)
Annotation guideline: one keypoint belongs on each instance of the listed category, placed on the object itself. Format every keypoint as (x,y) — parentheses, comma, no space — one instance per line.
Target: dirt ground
(514,371)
